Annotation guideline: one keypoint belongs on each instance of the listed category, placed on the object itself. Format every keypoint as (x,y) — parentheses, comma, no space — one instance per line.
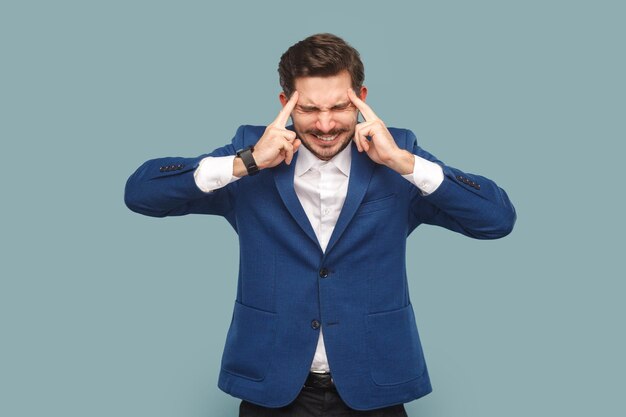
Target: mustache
(330,133)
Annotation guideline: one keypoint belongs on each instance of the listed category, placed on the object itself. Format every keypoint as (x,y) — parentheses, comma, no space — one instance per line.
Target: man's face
(324,117)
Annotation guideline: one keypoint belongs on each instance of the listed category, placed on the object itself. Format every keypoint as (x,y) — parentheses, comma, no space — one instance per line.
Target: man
(323,323)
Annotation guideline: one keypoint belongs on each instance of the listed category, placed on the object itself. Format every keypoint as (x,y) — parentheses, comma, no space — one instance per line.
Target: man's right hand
(277,143)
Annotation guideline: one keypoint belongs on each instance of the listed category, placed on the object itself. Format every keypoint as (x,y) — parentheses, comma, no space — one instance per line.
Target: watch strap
(248,160)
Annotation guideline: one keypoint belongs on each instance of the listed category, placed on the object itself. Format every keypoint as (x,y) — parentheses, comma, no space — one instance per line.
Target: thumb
(296,144)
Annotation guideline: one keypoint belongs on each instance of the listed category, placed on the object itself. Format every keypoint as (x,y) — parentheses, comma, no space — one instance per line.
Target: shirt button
(315,324)
(323,272)
(326,211)
(218,182)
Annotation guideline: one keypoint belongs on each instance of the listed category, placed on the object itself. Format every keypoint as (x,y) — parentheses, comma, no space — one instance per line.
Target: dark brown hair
(320,55)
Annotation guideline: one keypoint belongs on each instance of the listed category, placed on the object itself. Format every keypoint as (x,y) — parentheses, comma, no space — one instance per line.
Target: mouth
(327,138)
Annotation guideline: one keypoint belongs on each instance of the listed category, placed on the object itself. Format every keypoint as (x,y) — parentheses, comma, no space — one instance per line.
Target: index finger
(283,116)
(365,110)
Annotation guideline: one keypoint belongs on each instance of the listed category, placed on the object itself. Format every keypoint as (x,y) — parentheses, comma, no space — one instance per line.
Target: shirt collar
(306,160)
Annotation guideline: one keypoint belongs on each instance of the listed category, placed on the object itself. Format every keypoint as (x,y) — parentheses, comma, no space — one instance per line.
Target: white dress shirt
(321,187)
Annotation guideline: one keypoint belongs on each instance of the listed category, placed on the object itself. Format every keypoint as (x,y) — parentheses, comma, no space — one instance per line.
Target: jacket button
(324,273)
(161,169)
(315,324)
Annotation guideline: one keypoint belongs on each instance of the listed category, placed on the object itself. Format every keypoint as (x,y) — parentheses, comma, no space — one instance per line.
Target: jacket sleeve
(466,203)
(166,186)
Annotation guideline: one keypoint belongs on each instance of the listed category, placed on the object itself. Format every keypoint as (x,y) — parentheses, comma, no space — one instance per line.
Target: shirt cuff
(427,175)
(214,173)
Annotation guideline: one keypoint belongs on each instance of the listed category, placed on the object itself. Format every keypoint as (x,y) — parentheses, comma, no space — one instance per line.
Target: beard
(321,149)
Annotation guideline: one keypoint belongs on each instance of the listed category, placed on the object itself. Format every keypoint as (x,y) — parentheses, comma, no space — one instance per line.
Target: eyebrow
(315,108)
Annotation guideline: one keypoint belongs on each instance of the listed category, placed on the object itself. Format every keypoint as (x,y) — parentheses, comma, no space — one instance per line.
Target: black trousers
(316,402)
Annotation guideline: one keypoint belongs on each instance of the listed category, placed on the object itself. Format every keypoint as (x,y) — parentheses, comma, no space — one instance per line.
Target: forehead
(323,91)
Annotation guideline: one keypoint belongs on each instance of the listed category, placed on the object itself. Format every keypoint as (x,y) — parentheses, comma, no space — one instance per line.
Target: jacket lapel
(283,176)
(361,169)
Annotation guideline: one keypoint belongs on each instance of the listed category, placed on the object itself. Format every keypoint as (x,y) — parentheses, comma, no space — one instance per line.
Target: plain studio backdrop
(107,313)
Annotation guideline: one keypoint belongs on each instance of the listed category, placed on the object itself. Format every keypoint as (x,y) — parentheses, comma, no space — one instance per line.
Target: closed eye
(313,109)
(307,109)
(341,107)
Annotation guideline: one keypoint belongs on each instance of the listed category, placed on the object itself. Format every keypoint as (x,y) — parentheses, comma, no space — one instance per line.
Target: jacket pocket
(376,205)
(395,351)
(248,349)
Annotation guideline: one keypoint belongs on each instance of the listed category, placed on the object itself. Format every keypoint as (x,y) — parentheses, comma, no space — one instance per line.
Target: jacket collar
(360,171)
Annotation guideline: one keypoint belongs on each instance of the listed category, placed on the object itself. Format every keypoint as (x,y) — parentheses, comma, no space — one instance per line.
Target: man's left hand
(382,148)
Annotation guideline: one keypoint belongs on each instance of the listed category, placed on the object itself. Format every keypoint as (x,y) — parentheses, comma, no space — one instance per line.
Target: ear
(363,93)
(283,98)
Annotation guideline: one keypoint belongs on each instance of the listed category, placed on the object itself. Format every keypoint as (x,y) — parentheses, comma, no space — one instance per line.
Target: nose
(325,122)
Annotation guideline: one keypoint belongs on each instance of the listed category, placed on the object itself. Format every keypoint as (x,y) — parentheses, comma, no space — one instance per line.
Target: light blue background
(107,313)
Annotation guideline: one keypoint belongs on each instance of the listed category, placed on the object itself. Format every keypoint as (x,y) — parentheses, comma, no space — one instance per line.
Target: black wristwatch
(248,160)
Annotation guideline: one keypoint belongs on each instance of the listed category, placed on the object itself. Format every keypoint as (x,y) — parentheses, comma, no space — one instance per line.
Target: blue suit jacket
(357,289)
